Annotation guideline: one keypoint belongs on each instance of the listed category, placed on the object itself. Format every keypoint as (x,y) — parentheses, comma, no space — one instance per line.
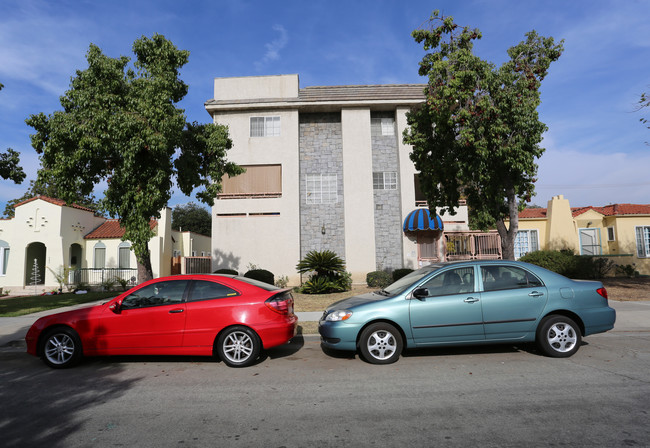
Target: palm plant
(325,264)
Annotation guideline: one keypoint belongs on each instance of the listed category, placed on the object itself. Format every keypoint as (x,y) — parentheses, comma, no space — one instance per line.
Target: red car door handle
(176,311)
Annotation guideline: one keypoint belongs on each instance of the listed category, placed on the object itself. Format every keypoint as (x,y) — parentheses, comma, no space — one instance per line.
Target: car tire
(239,346)
(380,343)
(61,348)
(558,336)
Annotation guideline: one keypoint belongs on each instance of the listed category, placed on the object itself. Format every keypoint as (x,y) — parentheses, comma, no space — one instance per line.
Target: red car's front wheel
(61,348)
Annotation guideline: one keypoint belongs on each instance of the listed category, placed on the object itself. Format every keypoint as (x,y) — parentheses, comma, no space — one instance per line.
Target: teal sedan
(469,303)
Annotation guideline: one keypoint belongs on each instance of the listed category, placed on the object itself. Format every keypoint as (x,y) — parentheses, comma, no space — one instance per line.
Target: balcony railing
(472,246)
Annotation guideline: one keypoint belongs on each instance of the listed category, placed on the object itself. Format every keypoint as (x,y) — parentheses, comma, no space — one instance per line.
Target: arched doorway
(35,264)
(74,262)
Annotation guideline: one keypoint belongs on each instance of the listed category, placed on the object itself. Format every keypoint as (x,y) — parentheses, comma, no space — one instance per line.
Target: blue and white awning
(420,219)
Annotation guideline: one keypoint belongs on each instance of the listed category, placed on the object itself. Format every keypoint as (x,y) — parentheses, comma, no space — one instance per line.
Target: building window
(643,241)
(384,180)
(4,257)
(259,181)
(611,235)
(124,255)
(321,188)
(265,126)
(384,126)
(589,242)
(526,241)
(100,256)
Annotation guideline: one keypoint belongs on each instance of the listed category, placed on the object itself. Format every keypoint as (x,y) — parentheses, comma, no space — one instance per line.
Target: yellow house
(618,231)
(46,236)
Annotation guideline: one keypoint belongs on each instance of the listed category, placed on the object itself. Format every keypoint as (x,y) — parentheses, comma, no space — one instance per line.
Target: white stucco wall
(358,193)
(269,242)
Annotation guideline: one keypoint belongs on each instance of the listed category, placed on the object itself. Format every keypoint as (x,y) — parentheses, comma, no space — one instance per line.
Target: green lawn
(18,306)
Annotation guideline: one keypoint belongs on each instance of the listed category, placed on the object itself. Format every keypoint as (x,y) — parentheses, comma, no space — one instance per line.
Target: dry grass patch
(627,289)
(318,302)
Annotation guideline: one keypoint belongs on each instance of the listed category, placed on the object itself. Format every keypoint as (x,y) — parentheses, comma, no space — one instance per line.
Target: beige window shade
(257,181)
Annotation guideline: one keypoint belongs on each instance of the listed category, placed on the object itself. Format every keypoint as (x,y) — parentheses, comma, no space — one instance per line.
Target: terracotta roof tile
(532,213)
(59,202)
(112,229)
(607,210)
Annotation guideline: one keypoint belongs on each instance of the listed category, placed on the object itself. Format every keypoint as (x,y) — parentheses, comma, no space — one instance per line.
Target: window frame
(317,194)
(96,247)
(190,295)
(270,126)
(384,180)
(488,268)
(5,252)
(139,307)
(529,242)
(124,245)
(642,241)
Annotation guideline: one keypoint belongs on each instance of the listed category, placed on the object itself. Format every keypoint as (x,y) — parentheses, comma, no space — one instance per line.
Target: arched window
(100,256)
(4,257)
(124,255)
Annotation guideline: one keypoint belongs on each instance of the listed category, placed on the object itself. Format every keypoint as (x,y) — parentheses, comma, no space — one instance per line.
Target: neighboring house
(48,233)
(325,169)
(619,231)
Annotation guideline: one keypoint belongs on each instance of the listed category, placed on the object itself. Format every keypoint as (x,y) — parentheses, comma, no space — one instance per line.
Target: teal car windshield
(403,283)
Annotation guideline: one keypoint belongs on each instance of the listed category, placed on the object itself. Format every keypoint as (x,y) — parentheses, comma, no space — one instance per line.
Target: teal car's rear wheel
(558,336)
(380,343)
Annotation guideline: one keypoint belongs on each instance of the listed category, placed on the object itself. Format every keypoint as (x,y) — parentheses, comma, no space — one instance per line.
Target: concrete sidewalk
(630,317)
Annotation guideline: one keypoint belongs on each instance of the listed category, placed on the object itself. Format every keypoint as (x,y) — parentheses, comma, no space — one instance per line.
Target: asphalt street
(299,395)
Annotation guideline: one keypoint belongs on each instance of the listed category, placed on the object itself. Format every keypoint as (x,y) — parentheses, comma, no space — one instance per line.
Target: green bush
(626,270)
(399,273)
(226,271)
(564,262)
(262,275)
(378,279)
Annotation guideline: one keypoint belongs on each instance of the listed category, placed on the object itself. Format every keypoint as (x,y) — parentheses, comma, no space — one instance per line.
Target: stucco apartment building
(326,169)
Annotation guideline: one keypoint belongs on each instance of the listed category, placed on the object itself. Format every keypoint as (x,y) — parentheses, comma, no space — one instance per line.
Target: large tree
(192,217)
(477,135)
(45,185)
(9,168)
(120,124)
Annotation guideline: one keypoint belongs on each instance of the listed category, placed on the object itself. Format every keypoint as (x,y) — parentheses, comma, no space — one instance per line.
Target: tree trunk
(508,234)
(145,272)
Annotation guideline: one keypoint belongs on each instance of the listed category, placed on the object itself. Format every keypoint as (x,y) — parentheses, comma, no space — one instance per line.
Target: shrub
(282,281)
(226,271)
(328,273)
(399,273)
(564,262)
(325,264)
(262,275)
(626,270)
(378,279)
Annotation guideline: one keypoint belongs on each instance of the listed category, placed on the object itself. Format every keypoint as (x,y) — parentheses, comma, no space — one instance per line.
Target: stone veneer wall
(321,152)
(388,219)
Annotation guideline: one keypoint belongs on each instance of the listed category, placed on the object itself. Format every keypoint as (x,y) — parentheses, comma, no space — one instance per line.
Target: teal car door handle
(536,294)
(470,300)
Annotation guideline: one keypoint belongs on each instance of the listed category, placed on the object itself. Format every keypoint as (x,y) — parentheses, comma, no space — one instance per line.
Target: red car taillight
(602,292)
(281,303)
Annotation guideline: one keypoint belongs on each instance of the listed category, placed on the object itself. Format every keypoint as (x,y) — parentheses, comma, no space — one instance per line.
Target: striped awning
(420,219)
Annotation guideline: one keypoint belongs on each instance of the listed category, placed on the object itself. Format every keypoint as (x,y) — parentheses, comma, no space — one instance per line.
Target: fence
(473,246)
(93,276)
(197,265)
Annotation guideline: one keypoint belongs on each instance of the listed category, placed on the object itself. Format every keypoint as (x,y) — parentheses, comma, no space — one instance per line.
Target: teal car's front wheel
(380,343)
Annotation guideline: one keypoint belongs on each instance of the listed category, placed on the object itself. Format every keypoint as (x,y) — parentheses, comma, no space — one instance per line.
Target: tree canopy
(120,125)
(9,168)
(477,135)
(192,217)
(45,185)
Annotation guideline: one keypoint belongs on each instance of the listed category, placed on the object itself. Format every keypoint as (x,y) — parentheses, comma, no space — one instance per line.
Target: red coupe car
(201,314)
